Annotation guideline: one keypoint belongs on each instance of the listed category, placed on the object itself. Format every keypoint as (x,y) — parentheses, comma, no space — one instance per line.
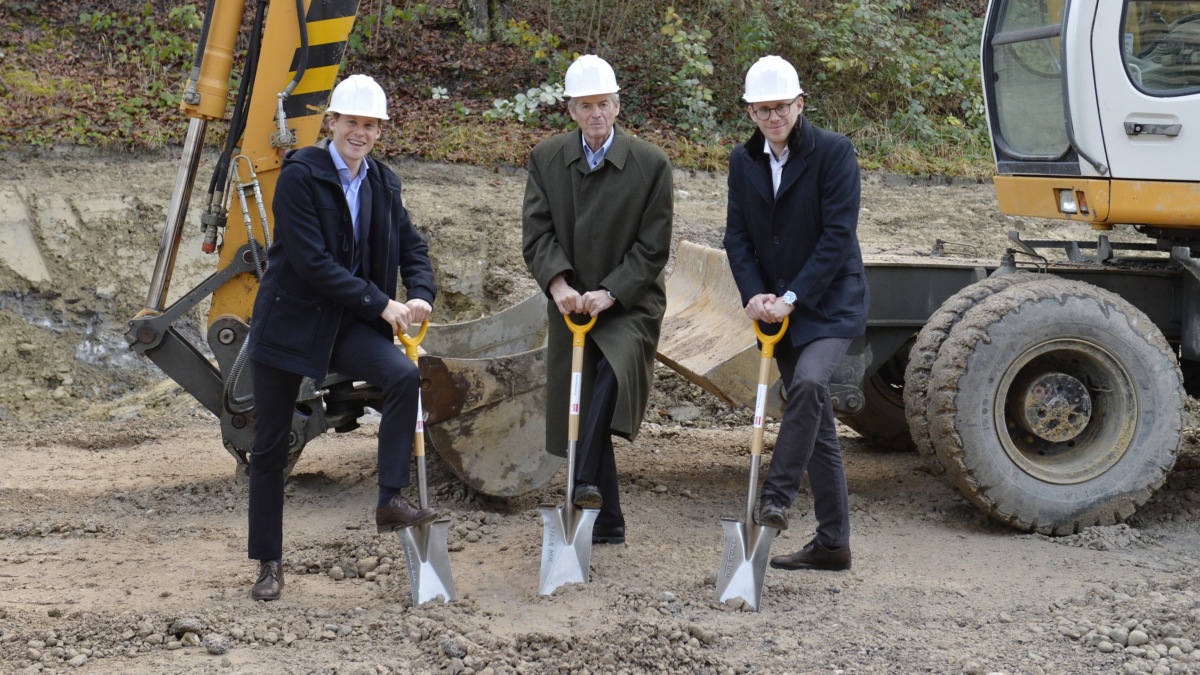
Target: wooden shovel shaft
(578,331)
(760,407)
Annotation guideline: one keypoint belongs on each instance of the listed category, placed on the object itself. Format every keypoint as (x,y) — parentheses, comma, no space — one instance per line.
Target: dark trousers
(362,354)
(808,438)
(595,461)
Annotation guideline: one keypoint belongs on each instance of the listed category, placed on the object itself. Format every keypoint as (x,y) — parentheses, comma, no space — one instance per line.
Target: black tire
(925,350)
(882,420)
(1056,405)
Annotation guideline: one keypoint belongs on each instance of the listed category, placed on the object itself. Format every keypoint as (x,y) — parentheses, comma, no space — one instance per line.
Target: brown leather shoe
(400,513)
(771,514)
(814,556)
(270,581)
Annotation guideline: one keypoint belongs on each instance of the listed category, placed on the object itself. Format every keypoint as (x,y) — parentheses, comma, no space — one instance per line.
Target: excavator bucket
(483,381)
(704,336)
(484,390)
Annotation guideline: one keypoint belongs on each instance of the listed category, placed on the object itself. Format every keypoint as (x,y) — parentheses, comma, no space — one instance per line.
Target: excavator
(482,381)
(1047,386)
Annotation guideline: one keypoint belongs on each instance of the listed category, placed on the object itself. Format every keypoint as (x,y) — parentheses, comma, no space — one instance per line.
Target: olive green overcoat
(605,228)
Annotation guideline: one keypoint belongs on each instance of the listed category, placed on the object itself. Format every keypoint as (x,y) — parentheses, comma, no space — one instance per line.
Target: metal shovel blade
(566,546)
(428,561)
(744,561)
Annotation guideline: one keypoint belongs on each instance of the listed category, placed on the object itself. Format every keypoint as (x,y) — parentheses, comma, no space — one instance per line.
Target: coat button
(366,299)
(780,283)
(775,240)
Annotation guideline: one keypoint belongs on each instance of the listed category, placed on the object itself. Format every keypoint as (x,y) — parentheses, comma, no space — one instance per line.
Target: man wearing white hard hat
(597,232)
(343,241)
(791,235)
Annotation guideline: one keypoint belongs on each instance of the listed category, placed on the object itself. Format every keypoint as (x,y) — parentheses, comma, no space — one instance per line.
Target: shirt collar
(593,158)
(783,156)
(344,170)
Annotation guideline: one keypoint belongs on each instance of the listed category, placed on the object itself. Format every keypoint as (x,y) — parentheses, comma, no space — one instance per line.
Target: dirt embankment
(122,531)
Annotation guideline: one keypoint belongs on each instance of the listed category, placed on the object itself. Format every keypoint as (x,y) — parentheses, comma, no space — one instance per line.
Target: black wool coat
(308,285)
(804,238)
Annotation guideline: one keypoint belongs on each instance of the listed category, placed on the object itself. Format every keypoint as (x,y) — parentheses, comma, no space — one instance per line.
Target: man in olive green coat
(597,233)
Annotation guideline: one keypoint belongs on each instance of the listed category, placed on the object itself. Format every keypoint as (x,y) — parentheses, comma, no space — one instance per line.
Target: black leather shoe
(587,496)
(270,581)
(814,556)
(400,513)
(771,514)
(608,535)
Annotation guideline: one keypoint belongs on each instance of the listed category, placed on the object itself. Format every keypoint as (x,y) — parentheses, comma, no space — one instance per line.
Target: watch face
(789,297)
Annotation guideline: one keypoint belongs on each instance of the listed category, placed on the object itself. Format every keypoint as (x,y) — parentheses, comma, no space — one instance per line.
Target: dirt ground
(122,530)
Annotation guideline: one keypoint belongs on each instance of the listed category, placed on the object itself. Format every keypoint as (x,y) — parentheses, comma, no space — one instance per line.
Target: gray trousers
(808,438)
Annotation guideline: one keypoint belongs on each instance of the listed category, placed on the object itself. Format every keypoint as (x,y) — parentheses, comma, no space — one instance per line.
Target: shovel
(567,531)
(425,549)
(747,545)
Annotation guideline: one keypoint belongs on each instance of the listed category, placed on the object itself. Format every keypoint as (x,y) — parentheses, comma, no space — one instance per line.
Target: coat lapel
(573,153)
(799,150)
(762,181)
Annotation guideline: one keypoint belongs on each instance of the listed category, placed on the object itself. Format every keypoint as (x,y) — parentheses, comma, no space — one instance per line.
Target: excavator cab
(1091,107)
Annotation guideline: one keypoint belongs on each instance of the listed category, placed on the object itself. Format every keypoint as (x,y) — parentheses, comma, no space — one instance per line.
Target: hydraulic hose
(241,107)
(302,62)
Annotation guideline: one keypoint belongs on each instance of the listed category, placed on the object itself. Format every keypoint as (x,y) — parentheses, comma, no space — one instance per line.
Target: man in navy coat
(791,237)
(343,241)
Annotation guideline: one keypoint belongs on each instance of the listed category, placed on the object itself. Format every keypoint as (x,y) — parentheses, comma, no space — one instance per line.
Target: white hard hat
(590,75)
(359,95)
(772,78)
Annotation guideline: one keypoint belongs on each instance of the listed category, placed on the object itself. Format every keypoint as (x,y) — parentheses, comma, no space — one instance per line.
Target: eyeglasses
(782,109)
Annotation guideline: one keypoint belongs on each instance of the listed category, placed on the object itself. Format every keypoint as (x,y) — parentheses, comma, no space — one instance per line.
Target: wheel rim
(1066,411)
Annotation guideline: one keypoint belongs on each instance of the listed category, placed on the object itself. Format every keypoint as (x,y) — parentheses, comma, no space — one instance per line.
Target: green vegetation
(899,77)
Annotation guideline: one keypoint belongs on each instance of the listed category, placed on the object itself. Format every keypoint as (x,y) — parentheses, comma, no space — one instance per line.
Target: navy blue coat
(308,284)
(803,238)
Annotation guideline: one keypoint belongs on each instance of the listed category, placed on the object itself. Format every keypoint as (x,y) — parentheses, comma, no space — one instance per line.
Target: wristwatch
(789,299)
(611,296)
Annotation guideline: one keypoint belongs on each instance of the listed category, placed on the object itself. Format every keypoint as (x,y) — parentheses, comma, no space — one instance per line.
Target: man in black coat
(343,240)
(791,237)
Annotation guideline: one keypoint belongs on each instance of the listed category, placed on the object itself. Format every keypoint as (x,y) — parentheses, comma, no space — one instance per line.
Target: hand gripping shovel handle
(410,349)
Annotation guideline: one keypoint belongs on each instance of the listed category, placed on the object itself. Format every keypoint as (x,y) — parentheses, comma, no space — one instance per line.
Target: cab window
(1161,46)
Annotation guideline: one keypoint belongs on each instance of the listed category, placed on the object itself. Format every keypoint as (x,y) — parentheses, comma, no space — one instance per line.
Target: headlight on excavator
(1066,202)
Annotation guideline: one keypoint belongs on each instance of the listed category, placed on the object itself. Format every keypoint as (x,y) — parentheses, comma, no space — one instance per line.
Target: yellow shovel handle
(768,341)
(411,343)
(579,329)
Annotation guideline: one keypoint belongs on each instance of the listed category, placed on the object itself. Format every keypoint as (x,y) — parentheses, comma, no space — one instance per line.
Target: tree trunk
(483,19)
